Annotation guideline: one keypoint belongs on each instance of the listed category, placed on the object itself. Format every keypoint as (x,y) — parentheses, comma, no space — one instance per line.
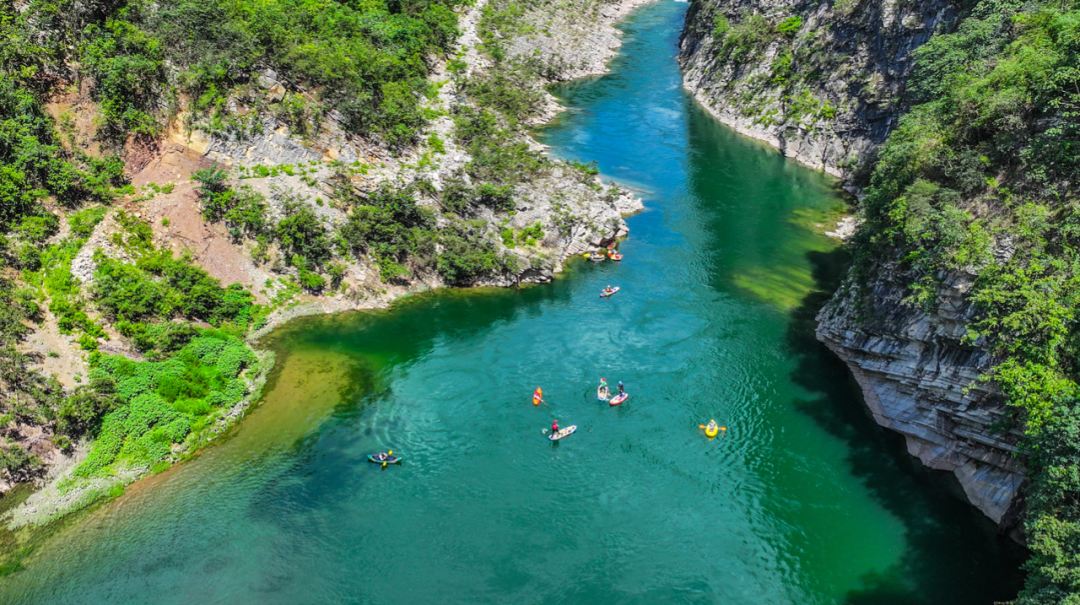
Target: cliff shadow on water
(938,521)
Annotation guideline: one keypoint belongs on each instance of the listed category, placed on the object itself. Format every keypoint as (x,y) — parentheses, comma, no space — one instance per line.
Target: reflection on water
(804,500)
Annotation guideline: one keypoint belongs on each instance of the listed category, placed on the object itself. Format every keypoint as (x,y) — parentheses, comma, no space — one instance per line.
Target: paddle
(388,454)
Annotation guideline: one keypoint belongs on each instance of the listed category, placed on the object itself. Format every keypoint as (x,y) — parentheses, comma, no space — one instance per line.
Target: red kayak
(616,400)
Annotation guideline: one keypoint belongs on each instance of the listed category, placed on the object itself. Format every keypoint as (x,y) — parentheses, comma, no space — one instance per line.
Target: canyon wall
(921,380)
(821,82)
(824,83)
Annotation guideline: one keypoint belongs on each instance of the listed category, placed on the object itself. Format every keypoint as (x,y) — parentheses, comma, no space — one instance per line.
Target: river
(803,500)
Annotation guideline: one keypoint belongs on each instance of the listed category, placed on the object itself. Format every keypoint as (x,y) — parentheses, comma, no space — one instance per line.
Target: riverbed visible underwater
(803,499)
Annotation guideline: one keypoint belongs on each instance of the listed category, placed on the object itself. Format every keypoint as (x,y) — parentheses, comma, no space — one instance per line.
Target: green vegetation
(987,158)
(744,40)
(790,26)
(27,396)
(161,402)
(468,254)
(528,236)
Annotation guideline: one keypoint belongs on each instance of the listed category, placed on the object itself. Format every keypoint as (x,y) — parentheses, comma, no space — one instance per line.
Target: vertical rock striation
(822,82)
(920,379)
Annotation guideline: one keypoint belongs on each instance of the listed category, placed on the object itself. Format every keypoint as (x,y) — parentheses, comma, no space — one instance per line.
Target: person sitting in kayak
(382,456)
(608,289)
(620,388)
(555,427)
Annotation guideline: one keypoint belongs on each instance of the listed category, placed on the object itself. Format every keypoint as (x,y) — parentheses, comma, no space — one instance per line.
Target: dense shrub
(468,254)
(390,226)
(160,287)
(33,165)
(162,402)
(127,66)
(497,155)
(215,196)
(303,234)
(83,222)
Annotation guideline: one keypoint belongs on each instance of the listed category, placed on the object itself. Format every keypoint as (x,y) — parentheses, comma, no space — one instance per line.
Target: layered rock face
(821,82)
(920,380)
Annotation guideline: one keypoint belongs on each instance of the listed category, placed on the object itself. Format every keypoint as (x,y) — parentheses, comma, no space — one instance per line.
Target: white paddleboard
(564,432)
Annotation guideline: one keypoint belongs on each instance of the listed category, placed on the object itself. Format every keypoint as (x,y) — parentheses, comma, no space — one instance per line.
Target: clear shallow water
(804,500)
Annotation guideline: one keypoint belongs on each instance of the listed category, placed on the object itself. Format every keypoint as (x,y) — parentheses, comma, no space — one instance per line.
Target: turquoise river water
(804,500)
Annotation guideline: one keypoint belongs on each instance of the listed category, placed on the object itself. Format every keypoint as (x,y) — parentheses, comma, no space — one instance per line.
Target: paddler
(555,427)
(608,289)
(620,388)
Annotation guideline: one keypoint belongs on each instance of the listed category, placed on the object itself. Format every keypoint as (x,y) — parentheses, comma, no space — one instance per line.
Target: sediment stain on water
(803,500)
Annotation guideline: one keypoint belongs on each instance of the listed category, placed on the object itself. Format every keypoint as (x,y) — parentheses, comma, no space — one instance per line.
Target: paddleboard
(602,393)
(564,432)
(607,294)
(616,400)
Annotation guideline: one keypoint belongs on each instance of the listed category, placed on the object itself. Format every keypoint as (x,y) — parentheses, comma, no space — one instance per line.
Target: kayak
(607,294)
(615,256)
(616,400)
(711,430)
(567,431)
(602,393)
(538,396)
(389,460)
(597,258)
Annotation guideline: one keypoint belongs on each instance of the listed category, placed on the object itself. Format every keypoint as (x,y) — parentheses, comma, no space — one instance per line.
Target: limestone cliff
(920,380)
(822,82)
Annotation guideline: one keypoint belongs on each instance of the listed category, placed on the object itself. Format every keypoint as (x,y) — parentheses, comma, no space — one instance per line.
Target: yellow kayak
(711,429)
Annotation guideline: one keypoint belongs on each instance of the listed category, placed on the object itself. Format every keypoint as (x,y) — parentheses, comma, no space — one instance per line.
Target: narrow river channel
(803,500)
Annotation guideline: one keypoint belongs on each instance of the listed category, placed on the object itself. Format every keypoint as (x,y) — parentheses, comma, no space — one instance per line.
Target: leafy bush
(33,165)
(467,255)
(83,222)
(508,89)
(215,197)
(789,26)
(746,39)
(497,156)
(721,27)
(390,226)
(497,197)
(160,287)
(127,65)
(302,233)
(162,402)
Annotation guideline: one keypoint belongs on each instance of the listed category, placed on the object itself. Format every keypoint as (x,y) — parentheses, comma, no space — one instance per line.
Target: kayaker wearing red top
(555,427)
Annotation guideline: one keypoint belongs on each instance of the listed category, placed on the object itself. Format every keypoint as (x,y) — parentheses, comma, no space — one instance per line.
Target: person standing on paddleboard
(620,388)
(555,427)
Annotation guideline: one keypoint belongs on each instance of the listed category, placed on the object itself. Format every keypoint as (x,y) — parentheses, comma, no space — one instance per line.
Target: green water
(804,500)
